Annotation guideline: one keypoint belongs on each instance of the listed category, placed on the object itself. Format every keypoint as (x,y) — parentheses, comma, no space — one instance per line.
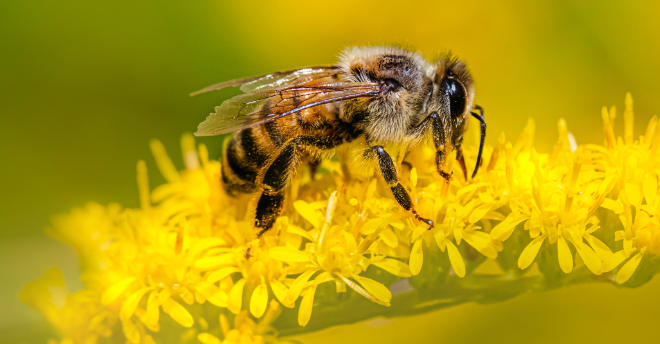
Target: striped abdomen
(245,157)
(252,150)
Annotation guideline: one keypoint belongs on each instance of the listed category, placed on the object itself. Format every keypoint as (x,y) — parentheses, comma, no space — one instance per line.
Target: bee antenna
(481,120)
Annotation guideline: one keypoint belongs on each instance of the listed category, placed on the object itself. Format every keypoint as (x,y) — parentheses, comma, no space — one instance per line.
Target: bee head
(453,90)
(401,75)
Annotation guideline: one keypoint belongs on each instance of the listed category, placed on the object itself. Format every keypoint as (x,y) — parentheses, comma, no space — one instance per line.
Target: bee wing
(252,109)
(275,80)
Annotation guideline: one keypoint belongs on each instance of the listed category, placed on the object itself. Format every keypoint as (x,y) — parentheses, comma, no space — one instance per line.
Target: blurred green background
(84,85)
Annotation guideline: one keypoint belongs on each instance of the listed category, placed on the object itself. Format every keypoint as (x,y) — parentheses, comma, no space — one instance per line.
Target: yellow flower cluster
(177,266)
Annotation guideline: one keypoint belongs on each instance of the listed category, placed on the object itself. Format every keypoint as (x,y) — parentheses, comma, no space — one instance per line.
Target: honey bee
(384,96)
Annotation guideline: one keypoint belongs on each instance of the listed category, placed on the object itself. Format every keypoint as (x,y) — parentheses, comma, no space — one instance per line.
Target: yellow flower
(246,330)
(78,317)
(174,266)
(337,256)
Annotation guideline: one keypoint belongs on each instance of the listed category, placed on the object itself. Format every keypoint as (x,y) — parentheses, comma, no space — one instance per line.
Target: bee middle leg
(388,170)
(461,159)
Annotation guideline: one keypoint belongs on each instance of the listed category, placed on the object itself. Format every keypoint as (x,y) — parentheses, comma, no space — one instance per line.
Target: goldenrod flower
(177,266)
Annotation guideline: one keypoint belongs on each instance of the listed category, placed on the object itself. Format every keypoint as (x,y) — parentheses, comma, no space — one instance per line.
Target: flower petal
(479,212)
(377,289)
(280,291)
(564,255)
(305,311)
(179,313)
(370,226)
(633,194)
(613,261)
(440,240)
(288,254)
(131,331)
(308,213)
(650,186)
(602,250)
(393,266)
(128,308)
(482,242)
(590,258)
(204,245)
(455,259)
(389,238)
(296,288)
(221,274)
(529,253)
(416,258)
(113,291)
(629,268)
(236,296)
(259,301)
(208,263)
(207,338)
(504,229)
(153,308)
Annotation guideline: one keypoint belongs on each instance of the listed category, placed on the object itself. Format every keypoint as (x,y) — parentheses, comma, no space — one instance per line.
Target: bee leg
(482,123)
(272,198)
(388,170)
(314,165)
(461,161)
(268,209)
(439,161)
(439,139)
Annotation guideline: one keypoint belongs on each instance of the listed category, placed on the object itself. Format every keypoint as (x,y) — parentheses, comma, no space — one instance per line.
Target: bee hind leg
(268,208)
(272,198)
(388,170)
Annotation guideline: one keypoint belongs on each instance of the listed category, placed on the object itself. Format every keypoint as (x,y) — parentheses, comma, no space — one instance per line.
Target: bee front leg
(388,170)
(439,139)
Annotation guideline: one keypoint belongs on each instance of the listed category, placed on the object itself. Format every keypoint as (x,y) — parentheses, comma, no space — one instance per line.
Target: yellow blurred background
(84,85)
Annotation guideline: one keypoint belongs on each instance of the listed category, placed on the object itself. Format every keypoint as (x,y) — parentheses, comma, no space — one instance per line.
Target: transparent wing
(275,80)
(252,109)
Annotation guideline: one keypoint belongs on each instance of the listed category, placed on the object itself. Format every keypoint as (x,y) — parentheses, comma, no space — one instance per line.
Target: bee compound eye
(456,93)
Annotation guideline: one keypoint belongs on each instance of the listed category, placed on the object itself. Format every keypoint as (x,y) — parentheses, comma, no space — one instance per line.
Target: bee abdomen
(245,157)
